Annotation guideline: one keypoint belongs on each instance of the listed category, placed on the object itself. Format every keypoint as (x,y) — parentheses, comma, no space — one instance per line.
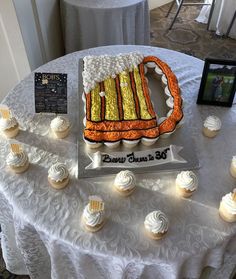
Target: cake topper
(96,204)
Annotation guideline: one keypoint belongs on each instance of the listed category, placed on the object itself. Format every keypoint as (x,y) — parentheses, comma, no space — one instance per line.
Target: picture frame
(218,84)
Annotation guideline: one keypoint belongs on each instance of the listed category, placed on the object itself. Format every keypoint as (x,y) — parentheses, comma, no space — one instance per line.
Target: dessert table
(42,233)
(96,23)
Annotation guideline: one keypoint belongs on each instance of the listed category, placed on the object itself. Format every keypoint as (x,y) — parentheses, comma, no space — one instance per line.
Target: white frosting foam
(93,218)
(7,123)
(17,160)
(229,203)
(60,124)
(58,172)
(187,180)
(156,222)
(212,123)
(99,68)
(125,180)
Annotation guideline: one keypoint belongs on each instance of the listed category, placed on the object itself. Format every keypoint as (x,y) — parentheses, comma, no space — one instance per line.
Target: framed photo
(218,83)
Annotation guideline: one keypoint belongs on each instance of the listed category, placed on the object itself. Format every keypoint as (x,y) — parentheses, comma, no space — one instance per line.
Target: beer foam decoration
(5,112)
(16,148)
(96,204)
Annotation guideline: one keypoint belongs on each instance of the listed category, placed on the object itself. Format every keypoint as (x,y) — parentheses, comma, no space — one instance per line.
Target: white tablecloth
(42,234)
(96,23)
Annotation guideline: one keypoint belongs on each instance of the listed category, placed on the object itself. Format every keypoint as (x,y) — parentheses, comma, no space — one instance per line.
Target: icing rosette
(125,180)
(60,124)
(212,123)
(8,123)
(187,180)
(17,159)
(156,222)
(58,172)
(93,219)
(229,203)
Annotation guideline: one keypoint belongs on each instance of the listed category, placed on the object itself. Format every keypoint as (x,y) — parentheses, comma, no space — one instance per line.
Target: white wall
(14,64)
(157,3)
(41,30)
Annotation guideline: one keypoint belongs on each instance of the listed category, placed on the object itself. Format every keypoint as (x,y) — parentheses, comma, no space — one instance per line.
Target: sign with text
(50,92)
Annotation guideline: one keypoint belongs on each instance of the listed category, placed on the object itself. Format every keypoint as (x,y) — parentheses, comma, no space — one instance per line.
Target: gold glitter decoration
(142,103)
(96,104)
(127,97)
(111,110)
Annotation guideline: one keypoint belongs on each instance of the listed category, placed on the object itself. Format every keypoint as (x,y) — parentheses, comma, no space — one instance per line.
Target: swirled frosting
(93,218)
(156,222)
(17,159)
(7,123)
(125,180)
(212,123)
(187,180)
(58,172)
(99,68)
(229,203)
(234,161)
(60,124)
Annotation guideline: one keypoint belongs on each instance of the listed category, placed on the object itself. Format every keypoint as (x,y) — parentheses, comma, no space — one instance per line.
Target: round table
(96,23)
(45,223)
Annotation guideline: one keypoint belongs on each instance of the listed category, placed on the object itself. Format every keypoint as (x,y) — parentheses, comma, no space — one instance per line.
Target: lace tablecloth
(42,233)
(96,23)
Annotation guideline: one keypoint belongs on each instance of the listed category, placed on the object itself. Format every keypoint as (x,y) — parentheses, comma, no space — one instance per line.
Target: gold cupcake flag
(95,204)
(5,112)
(15,148)
(234,195)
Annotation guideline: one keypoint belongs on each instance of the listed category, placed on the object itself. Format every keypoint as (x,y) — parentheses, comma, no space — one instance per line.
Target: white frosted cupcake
(60,127)
(58,176)
(9,127)
(227,208)
(156,224)
(125,182)
(186,183)
(18,162)
(211,126)
(93,220)
(233,167)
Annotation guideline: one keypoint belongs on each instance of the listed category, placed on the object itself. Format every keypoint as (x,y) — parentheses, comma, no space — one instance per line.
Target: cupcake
(18,162)
(60,127)
(233,167)
(125,182)
(9,127)
(227,208)
(211,126)
(93,217)
(156,224)
(58,176)
(186,183)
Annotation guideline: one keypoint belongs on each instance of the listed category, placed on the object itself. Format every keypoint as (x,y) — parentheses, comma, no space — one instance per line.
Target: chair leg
(171,7)
(211,13)
(231,24)
(177,12)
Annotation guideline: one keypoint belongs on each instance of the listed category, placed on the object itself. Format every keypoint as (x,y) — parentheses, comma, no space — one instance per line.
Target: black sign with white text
(50,92)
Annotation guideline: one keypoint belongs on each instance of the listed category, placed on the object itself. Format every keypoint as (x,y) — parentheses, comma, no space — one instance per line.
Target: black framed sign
(50,92)
(218,83)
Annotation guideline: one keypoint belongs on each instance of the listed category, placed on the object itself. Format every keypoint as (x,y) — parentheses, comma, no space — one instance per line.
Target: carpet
(189,36)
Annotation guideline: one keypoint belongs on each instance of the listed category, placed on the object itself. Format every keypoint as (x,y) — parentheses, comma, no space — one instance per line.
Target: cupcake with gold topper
(60,127)
(17,160)
(58,176)
(8,124)
(156,224)
(233,167)
(227,208)
(93,216)
(125,182)
(186,183)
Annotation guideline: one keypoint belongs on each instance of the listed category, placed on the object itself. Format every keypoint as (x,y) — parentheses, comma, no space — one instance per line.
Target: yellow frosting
(111,111)
(96,104)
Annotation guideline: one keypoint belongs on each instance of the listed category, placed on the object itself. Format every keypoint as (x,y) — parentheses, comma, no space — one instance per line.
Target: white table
(96,23)
(45,223)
